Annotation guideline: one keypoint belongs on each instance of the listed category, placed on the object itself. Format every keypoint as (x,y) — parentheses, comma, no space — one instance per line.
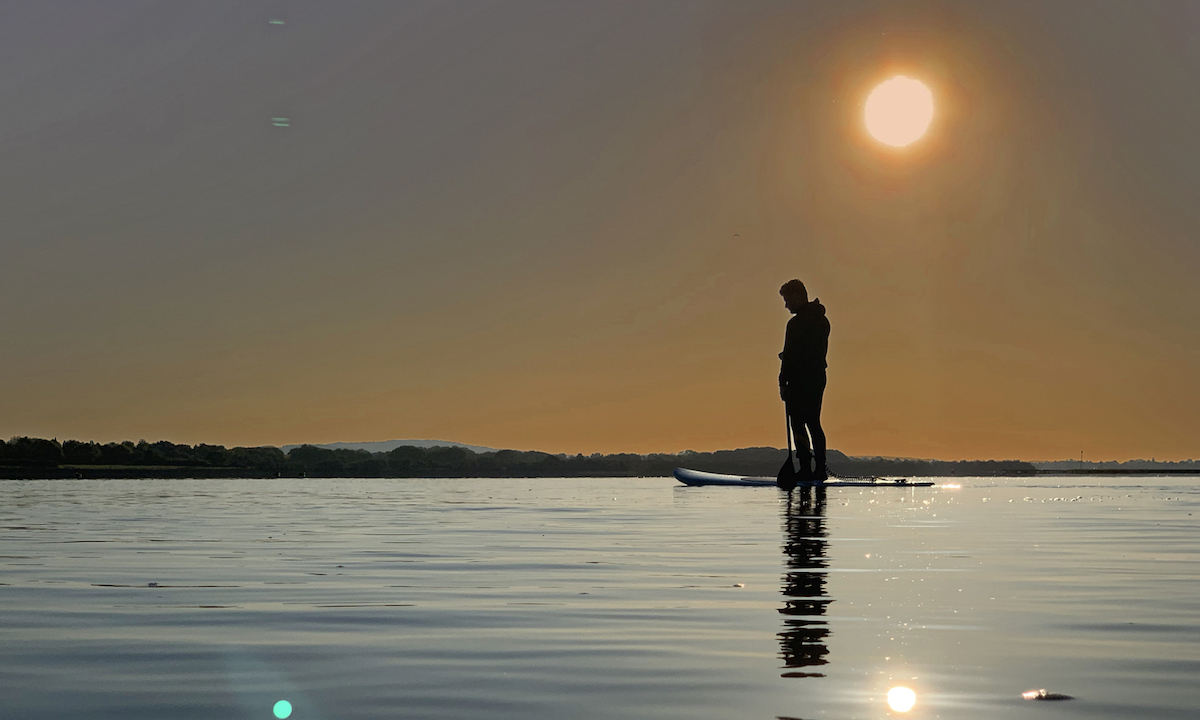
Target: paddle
(786,479)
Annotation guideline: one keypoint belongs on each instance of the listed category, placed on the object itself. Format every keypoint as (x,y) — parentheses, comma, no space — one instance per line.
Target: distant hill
(389,445)
(1113,465)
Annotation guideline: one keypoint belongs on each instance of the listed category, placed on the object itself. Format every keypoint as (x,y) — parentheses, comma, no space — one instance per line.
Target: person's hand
(783,392)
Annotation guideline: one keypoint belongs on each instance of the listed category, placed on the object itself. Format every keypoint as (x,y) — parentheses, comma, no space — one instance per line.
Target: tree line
(25,457)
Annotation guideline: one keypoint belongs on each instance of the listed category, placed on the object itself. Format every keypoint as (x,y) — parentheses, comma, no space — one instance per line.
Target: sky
(562,226)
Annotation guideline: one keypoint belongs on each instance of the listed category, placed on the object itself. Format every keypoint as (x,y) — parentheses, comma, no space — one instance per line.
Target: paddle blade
(787,477)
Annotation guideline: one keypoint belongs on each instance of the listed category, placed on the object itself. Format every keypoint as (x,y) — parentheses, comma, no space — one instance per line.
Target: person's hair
(793,288)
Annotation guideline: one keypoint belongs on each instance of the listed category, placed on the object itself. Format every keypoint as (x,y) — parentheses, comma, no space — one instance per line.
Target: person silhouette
(802,377)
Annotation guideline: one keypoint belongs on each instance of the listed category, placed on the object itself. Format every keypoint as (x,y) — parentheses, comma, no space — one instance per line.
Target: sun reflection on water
(901,699)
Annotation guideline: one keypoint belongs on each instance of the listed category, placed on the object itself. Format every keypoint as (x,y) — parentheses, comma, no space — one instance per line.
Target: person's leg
(796,412)
(812,422)
(818,442)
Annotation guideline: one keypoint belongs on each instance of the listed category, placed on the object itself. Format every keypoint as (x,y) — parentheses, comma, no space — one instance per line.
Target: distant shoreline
(1121,471)
(185,472)
(35,458)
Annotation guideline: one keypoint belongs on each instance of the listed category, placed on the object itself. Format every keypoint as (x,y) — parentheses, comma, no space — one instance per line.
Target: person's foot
(821,474)
(805,474)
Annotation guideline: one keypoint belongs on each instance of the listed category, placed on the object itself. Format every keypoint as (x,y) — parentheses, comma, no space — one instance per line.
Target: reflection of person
(805,630)
(802,375)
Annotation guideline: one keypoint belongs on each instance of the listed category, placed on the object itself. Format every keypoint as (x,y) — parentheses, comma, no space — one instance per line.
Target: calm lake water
(597,598)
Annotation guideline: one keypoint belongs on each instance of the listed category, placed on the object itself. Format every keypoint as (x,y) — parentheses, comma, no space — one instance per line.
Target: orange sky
(563,228)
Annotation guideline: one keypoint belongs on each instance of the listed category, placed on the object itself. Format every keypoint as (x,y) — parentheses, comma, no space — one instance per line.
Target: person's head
(795,295)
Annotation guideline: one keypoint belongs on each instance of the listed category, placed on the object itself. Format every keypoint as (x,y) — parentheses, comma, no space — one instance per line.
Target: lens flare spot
(901,699)
(283,709)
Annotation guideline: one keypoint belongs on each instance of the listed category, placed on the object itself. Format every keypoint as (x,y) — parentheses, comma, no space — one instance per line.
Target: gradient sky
(562,226)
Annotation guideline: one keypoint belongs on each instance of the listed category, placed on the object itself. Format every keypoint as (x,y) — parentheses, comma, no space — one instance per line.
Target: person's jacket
(805,344)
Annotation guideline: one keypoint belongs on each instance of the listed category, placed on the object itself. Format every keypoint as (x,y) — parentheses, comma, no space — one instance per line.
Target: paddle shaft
(788,426)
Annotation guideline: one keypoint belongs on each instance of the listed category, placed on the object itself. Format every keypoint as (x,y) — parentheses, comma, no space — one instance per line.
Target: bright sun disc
(901,699)
(899,111)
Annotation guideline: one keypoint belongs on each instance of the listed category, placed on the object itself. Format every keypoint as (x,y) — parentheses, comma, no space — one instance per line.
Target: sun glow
(898,111)
(901,699)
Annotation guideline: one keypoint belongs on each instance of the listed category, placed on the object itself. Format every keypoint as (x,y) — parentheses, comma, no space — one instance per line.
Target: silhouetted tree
(32,451)
(118,453)
(266,458)
(79,453)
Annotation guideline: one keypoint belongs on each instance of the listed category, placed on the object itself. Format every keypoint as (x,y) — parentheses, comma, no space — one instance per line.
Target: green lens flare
(283,709)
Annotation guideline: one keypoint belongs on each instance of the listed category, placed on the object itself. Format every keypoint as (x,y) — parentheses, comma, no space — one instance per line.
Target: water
(597,598)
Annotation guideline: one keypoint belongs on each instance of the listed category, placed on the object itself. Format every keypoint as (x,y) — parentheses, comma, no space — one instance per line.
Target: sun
(898,111)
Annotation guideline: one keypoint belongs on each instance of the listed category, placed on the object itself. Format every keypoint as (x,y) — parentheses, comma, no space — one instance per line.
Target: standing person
(802,376)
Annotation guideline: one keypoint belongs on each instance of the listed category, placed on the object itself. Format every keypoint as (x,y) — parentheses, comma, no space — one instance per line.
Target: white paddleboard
(697,478)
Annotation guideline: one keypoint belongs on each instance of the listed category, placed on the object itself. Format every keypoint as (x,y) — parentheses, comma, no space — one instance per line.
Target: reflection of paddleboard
(698,477)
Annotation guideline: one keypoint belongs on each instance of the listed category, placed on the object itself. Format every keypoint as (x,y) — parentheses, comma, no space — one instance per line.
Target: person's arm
(788,356)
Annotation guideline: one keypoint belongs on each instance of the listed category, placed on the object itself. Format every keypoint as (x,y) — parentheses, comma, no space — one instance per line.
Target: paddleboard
(697,478)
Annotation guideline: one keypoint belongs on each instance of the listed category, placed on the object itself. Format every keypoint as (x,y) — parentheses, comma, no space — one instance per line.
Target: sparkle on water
(283,709)
(901,699)
(898,111)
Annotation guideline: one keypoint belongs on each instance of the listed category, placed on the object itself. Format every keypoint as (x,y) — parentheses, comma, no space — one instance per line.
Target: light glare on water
(596,598)
(901,699)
